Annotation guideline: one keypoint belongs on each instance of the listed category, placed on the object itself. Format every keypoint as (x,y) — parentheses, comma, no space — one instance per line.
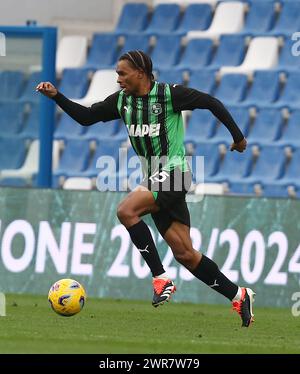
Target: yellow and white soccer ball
(67,297)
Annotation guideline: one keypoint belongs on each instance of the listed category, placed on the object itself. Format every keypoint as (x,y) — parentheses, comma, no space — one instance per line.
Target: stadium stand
(230,52)
(30,130)
(290,132)
(195,17)
(166,51)
(232,88)
(228,19)
(74,83)
(135,41)
(133,19)
(164,20)
(288,19)
(77,184)
(262,54)
(28,94)
(264,90)
(103,84)
(71,52)
(239,51)
(11,85)
(103,52)
(74,159)
(260,17)
(198,53)
(267,127)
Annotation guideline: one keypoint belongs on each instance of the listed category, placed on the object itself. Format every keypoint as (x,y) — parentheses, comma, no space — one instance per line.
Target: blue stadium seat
(135,41)
(195,17)
(291,132)
(55,181)
(198,54)
(165,19)
(121,134)
(260,18)
(133,173)
(274,190)
(128,166)
(101,130)
(290,94)
(74,83)
(241,188)
(235,167)
(287,61)
(29,93)
(232,88)
(67,128)
(241,117)
(170,76)
(74,159)
(103,52)
(211,156)
(289,19)
(13,182)
(31,123)
(133,19)
(264,89)
(166,51)
(222,134)
(269,166)
(11,119)
(12,159)
(202,80)
(292,172)
(201,126)
(267,127)
(11,85)
(109,148)
(230,52)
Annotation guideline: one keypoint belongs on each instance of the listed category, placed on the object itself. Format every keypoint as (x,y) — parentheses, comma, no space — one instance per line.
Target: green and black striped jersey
(155,130)
(154,121)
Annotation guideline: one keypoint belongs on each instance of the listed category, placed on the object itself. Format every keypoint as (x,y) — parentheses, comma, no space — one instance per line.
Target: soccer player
(151,112)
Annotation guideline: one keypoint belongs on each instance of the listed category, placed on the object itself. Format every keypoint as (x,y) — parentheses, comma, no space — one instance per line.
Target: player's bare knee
(124,213)
(185,258)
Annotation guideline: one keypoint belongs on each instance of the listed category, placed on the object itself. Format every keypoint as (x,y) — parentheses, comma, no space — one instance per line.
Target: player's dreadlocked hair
(139,60)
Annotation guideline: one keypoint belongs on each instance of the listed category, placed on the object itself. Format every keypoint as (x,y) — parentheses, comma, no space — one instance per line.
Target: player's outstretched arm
(102,111)
(184,98)
(47,89)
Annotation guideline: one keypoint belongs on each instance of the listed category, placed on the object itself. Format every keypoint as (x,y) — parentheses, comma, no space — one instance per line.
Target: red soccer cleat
(163,289)
(244,306)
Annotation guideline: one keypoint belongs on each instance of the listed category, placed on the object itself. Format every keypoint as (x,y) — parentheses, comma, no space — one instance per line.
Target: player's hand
(240,146)
(47,89)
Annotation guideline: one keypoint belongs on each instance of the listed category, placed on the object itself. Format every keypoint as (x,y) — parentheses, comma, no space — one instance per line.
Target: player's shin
(208,272)
(142,239)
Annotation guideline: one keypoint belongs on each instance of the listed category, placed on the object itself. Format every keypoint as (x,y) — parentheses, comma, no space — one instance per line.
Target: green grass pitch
(122,326)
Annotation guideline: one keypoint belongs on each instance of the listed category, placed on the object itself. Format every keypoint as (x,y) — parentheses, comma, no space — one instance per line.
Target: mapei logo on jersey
(156,109)
(142,130)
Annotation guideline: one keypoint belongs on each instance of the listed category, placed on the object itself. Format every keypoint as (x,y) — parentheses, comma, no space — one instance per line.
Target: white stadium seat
(71,52)
(31,163)
(185,2)
(103,84)
(262,54)
(228,19)
(209,189)
(78,183)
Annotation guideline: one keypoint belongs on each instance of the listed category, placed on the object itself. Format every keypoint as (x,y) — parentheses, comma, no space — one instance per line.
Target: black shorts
(169,190)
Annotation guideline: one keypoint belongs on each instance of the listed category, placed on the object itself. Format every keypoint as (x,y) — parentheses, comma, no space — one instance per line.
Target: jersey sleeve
(184,98)
(102,111)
